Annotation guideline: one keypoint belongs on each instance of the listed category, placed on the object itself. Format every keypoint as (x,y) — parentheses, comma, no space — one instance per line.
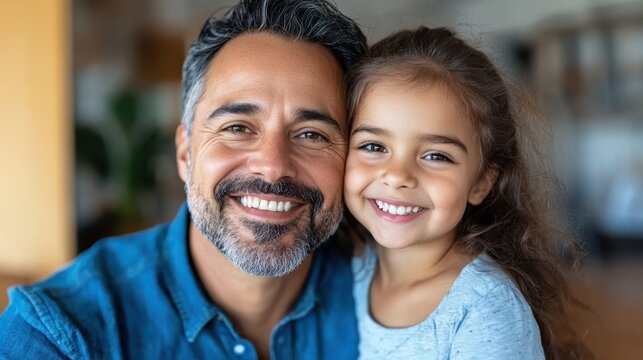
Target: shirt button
(239,349)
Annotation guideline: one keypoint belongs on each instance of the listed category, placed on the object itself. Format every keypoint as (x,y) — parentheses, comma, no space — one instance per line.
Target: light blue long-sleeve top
(483,316)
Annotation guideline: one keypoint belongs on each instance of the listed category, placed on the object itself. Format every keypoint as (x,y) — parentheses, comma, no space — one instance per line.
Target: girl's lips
(396,207)
(403,216)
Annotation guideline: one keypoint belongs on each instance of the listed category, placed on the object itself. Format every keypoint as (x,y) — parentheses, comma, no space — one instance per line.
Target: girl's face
(413,164)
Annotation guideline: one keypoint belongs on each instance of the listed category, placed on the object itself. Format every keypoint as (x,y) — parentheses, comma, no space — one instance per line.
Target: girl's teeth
(397,210)
(261,204)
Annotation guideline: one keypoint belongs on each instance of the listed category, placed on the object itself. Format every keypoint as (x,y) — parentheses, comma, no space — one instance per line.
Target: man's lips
(269,206)
(255,202)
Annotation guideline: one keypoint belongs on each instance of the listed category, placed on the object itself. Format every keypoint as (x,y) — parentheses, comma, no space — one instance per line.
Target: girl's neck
(418,263)
(415,279)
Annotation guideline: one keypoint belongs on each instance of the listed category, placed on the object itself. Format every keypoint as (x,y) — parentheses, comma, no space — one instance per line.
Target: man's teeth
(397,210)
(261,204)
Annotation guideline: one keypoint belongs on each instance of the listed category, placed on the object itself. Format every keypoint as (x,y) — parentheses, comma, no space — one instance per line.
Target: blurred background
(90,99)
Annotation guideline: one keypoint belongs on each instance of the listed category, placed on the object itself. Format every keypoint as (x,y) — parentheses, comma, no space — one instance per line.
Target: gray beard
(266,254)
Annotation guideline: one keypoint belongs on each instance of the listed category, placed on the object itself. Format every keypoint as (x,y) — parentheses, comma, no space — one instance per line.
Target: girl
(466,264)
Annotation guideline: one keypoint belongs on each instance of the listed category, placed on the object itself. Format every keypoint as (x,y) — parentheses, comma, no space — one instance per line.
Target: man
(261,149)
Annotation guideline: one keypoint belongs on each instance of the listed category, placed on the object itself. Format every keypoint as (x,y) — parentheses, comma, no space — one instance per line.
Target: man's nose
(399,174)
(273,158)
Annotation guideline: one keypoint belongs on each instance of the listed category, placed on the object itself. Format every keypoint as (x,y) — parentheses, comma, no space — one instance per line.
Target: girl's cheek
(357,178)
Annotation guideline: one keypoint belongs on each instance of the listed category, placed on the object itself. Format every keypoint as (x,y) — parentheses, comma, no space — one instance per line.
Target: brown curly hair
(515,224)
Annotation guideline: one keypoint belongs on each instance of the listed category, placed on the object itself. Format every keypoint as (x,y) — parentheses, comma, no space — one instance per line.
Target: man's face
(265,163)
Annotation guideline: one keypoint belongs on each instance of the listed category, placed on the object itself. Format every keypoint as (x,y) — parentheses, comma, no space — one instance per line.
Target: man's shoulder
(115,259)
(108,265)
(85,292)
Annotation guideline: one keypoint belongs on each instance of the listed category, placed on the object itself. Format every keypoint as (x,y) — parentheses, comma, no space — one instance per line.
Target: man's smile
(269,206)
(263,204)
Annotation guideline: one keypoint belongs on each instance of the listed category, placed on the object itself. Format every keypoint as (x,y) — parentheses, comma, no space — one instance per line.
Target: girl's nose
(399,175)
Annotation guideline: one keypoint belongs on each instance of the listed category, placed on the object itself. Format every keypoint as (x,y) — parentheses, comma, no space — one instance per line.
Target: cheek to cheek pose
(464,255)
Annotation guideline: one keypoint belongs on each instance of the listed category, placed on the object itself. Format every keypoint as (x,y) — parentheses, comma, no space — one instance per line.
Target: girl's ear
(483,186)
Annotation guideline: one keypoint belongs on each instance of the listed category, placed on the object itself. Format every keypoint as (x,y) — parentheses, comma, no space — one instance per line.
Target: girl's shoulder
(483,283)
(487,303)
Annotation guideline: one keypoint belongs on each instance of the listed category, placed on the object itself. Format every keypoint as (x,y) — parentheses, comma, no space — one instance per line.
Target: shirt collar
(194,306)
(308,297)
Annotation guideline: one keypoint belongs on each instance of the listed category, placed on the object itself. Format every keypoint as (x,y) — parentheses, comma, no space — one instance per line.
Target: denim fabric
(137,297)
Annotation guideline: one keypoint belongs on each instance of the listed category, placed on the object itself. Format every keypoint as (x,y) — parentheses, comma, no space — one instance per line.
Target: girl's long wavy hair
(515,224)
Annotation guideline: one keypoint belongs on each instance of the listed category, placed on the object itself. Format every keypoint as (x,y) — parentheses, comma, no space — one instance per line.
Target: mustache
(285,187)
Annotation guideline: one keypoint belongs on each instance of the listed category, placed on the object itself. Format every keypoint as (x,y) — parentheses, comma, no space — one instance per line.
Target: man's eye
(237,129)
(437,157)
(373,147)
(313,136)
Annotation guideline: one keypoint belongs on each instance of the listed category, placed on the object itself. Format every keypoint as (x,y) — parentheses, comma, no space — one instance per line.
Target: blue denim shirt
(137,297)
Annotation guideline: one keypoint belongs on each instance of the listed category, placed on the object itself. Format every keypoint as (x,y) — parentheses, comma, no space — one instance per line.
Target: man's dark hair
(317,21)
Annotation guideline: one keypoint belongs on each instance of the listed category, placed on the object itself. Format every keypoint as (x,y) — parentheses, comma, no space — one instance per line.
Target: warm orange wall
(35,136)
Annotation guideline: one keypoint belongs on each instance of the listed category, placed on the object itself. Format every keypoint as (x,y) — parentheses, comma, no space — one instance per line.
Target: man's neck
(255,304)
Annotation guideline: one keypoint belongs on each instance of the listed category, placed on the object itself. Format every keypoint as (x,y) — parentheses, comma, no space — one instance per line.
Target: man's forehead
(266,69)
(270,53)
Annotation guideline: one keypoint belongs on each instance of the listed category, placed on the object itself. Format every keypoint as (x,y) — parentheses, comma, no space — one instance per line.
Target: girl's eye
(237,129)
(312,136)
(373,147)
(437,157)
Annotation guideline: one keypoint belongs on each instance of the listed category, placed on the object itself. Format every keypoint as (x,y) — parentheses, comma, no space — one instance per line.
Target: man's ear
(181,142)
(481,189)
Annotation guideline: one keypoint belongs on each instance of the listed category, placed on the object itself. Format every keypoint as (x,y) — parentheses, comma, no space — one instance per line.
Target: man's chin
(273,259)
(268,233)
(263,249)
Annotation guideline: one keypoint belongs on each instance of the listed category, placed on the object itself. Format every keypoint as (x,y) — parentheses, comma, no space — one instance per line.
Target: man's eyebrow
(316,115)
(443,139)
(235,109)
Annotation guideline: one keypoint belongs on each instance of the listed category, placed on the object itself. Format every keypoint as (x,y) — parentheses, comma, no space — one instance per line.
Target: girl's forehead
(410,110)
(396,99)
(381,87)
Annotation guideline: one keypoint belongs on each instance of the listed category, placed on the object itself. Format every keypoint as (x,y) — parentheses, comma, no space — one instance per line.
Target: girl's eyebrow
(370,130)
(442,139)
(430,138)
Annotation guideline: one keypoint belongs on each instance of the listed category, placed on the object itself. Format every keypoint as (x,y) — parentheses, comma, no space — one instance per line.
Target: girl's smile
(395,211)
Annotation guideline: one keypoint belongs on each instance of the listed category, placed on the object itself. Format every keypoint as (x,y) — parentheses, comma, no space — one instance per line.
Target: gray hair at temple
(317,21)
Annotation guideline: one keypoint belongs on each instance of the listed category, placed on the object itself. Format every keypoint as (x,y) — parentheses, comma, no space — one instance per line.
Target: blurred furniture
(588,71)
